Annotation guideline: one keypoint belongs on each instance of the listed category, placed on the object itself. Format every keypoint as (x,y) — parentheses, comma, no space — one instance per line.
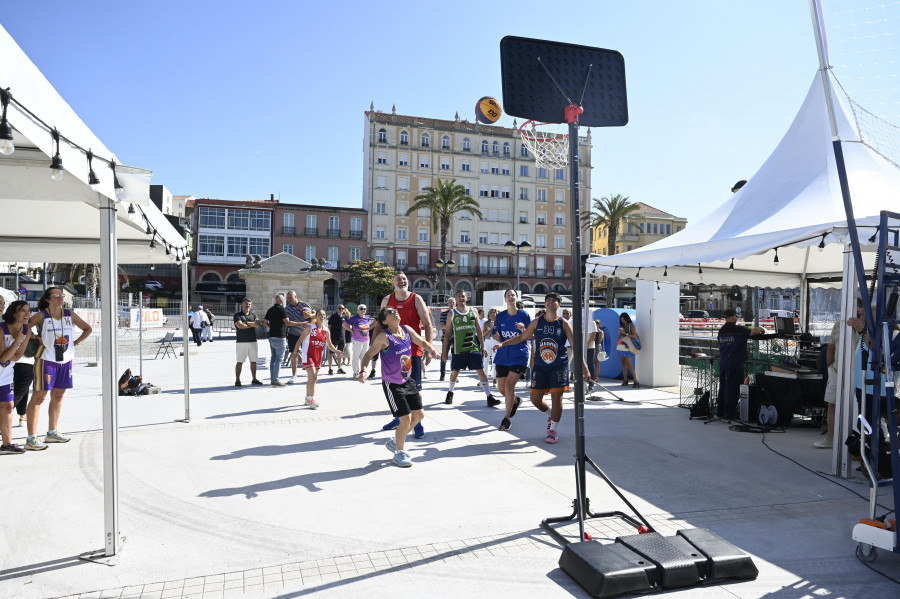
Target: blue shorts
(6,393)
(467,361)
(549,378)
(52,375)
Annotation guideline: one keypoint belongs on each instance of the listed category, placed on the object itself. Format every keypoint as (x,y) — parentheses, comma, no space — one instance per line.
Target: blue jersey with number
(550,343)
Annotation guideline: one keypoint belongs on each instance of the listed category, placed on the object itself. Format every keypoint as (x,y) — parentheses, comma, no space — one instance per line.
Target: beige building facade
(405,154)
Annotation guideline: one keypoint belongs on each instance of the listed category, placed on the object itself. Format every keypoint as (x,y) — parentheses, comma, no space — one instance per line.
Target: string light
(130,208)
(93,181)
(700,268)
(776,257)
(731,266)
(872,238)
(638,274)
(7,146)
(56,167)
(153,241)
(666,271)
(822,243)
(120,190)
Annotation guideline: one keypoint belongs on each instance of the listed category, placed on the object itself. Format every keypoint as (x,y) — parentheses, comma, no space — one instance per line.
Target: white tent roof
(792,200)
(59,221)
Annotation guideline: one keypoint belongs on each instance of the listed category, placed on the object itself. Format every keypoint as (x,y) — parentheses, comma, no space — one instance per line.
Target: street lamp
(518,247)
(444,265)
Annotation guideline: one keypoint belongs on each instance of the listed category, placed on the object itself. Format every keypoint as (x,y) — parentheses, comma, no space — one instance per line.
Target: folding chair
(166,346)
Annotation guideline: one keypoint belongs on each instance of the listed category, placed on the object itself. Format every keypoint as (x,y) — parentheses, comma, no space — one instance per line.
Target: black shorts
(402,399)
(292,342)
(503,371)
(467,361)
(338,343)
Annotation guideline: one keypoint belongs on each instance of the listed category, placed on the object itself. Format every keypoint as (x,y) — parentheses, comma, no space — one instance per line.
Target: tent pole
(108,365)
(185,344)
(843,408)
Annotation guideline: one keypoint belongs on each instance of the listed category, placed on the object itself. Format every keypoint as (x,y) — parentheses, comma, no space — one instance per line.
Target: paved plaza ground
(259,496)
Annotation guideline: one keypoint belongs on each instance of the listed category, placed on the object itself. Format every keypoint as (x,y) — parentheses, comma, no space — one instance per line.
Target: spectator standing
(451,303)
(300,312)
(198,321)
(336,332)
(487,330)
(358,326)
(14,337)
(732,356)
(277,320)
(348,338)
(53,363)
(246,322)
(207,332)
(831,390)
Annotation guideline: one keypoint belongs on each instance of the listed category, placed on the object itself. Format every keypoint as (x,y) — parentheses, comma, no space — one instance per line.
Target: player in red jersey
(315,338)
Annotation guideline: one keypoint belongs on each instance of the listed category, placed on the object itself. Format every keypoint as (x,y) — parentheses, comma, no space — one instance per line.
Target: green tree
(367,277)
(444,201)
(611,213)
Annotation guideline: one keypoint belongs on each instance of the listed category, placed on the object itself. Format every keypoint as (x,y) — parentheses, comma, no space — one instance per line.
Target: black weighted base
(651,562)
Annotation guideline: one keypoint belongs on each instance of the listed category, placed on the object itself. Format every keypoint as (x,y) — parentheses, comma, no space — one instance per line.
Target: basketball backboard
(593,78)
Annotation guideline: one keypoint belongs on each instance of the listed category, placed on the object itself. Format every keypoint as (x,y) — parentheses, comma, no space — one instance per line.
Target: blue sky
(241,100)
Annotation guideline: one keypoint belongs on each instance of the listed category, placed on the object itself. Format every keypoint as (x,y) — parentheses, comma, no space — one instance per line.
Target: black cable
(863,562)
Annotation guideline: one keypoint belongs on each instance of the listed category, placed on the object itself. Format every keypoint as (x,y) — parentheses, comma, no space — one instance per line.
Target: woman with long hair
(627,331)
(314,339)
(53,363)
(14,337)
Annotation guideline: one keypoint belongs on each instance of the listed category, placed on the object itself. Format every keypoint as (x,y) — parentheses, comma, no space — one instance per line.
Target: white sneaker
(290,381)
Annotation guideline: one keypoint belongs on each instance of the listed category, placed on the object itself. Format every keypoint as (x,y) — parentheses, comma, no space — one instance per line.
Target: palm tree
(445,201)
(611,212)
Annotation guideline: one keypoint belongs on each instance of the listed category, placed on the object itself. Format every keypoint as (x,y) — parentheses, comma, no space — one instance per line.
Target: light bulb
(56,174)
(7,147)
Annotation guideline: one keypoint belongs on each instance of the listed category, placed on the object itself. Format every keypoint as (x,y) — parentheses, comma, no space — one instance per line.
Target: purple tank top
(396,360)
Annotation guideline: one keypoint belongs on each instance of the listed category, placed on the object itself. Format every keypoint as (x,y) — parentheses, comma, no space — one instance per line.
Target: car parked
(148,285)
(695,314)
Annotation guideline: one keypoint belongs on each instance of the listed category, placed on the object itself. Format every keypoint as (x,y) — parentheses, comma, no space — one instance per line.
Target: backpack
(701,408)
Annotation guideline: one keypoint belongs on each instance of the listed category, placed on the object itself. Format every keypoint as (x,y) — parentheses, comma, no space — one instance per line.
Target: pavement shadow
(309,481)
(41,567)
(275,410)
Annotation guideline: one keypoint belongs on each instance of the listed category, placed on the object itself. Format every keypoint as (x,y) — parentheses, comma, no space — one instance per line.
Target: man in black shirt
(246,322)
(732,355)
(277,320)
(336,331)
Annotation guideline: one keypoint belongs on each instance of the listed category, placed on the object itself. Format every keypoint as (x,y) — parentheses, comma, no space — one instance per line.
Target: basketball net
(549,147)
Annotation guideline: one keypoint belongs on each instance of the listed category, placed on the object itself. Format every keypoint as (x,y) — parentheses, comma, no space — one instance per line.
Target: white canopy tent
(791,208)
(69,221)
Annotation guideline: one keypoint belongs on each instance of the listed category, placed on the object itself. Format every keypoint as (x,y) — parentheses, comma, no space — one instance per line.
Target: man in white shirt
(198,320)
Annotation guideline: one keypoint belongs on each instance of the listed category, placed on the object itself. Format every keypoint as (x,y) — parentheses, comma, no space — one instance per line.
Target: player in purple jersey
(395,343)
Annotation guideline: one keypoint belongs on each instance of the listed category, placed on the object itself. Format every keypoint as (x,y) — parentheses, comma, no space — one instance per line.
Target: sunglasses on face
(390,312)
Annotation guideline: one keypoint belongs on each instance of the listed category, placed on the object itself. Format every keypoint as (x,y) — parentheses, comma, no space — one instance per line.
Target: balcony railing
(540,272)
(311,231)
(493,270)
(465,270)
(334,232)
(288,230)
(356,234)
(402,265)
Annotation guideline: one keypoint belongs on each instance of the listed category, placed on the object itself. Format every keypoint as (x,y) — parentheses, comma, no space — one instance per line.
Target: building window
(424,161)
(426,140)
(356,227)
(560,174)
(379,233)
(379,255)
(238,247)
(445,142)
(423,184)
(483,191)
(288,220)
(495,191)
(464,237)
(655,228)
(484,168)
(541,195)
(445,164)
(542,241)
(468,189)
(423,261)
(402,207)
(524,152)
(495,148)
(212,218)
(495,169)
(504,193)
(288,248)
(541,172)
(259,245)
(333,253)
(505,169)
(523,218)
(382,158)
(402,234)
(402,183)
(355,253)
(467,146)
(211,245)
(542,218)
(311,221)
(504,216)
(424,212)
(466,166)
(403,160)
(404,138)
(465,215)
(484,146)
(423,234)
(492,215)
(380,208)
(495,239)
(380,182)
(483,238)
(560,220)
(523,170)
(558,242)
(559,196)
(506,148)
(382,136)
(310,252)
(523,193)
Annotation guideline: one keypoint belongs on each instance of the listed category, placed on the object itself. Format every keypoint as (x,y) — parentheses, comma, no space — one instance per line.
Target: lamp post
(518,247)
(444,265)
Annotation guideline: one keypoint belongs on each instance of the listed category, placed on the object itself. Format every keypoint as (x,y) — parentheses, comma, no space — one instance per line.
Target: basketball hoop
(550,148)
